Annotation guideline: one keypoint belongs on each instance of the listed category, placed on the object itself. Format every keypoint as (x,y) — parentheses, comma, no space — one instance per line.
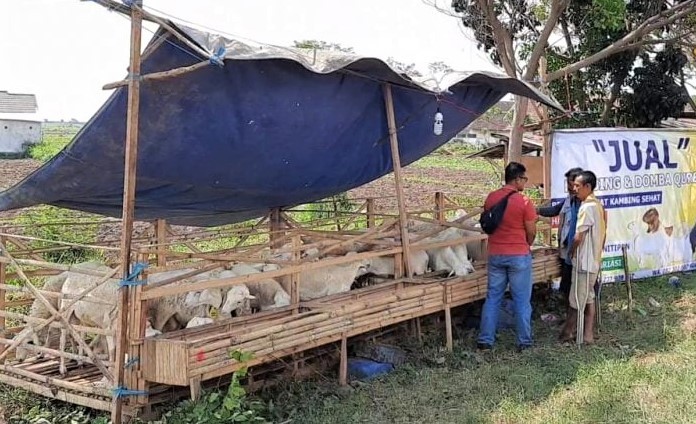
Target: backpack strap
(504,199)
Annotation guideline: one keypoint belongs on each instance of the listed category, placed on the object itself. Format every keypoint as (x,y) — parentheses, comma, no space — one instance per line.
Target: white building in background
(19,124)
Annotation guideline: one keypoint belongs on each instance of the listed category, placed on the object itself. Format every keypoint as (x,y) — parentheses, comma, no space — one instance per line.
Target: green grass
(453,162)
(643,370)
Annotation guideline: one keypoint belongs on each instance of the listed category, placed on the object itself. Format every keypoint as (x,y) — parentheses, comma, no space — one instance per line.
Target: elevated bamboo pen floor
(193,356)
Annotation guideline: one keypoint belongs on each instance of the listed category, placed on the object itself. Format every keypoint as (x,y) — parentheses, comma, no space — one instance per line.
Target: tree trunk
(517,132)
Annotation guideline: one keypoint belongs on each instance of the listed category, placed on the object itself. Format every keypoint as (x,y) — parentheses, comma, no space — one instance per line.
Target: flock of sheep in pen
(170,313)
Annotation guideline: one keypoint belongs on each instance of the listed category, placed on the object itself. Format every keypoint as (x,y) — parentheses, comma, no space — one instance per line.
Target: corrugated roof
(529,145)
(681,123)
(17,103)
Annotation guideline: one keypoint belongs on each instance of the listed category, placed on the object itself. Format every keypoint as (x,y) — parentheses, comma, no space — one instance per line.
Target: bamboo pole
(343,366)
(370,213)
(440,207)
(129,181)
(3,304)
(161,231)
(160,75)
(398,179)
(545,131)
(274,223)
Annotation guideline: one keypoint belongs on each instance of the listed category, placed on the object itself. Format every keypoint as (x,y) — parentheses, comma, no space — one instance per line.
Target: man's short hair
(588,177)
(513,171)
(572,173)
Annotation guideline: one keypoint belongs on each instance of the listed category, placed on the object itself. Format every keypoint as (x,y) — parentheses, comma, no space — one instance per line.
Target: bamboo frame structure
(192,358)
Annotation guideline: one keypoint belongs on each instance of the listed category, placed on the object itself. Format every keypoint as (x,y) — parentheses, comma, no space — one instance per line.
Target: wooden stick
(22,245)
(49,265)
(160,75)
(52,352)
(398,179)
(161,231)
(15,236)
(129,181)
(440,207)
(3,304)
(370,213)
(32,320)
(57,382)
(343,367)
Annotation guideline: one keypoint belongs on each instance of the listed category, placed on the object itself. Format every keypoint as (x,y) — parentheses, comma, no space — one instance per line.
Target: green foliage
(54,137)
(608,15)
(655,95)
(520,19)
(232,406)
(44,223)
(50,146)
(619,90)
(322,45)
(409,69)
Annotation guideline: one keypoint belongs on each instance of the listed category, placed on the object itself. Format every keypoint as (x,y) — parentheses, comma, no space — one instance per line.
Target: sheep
(326,281)
(268,292)
(198,321)
(454,259)
(384,265)
(38,310)
(90,310)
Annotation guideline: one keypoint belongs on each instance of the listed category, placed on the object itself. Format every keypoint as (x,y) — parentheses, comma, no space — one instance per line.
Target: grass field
(642,370)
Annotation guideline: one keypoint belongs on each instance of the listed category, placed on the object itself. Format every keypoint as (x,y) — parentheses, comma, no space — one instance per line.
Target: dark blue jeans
(515,271)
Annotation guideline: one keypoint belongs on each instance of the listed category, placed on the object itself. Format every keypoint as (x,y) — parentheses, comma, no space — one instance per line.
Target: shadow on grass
(640,370)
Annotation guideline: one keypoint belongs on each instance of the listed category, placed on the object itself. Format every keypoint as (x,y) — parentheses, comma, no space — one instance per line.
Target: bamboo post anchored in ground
(370,212)
(343,366)
(129,181)
(2,296)
(398,179)
(274,227)
(439,207)
(161,231)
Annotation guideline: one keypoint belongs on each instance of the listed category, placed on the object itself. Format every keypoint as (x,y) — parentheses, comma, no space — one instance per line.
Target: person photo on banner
(567,213)
(586,253)
(656,244)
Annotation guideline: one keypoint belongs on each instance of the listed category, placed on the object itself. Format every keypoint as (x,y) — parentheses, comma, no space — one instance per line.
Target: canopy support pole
(129,180)
(398,179)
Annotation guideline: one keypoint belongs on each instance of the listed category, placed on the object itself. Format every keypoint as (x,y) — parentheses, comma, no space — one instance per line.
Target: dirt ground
(469,187)
(420,184)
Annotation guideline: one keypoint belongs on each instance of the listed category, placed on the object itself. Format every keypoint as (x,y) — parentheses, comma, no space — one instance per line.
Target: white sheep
(91,310)
(269,293)
(326,281)
(384,265)
(454,259)
(38,310)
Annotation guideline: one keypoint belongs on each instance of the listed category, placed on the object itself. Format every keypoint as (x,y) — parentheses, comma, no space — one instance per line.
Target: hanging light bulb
(437,126)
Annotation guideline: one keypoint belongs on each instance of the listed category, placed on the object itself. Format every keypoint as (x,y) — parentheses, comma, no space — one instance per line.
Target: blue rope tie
(128,3)
(217,57)
(120,392)
(132,280)
(131,361)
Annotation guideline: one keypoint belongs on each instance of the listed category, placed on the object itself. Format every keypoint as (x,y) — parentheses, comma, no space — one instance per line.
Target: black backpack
(490,219)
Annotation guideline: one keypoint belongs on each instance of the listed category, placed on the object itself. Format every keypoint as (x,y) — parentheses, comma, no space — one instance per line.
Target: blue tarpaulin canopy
(272,127)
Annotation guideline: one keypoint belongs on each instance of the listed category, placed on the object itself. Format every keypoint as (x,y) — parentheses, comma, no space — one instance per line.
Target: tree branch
(629,41)
(503,40)
(557,7)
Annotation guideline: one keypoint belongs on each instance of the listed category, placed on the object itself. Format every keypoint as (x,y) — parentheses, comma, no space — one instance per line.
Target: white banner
(646,181)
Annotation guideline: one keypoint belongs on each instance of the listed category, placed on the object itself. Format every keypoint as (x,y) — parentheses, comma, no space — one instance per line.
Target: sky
(64,51)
